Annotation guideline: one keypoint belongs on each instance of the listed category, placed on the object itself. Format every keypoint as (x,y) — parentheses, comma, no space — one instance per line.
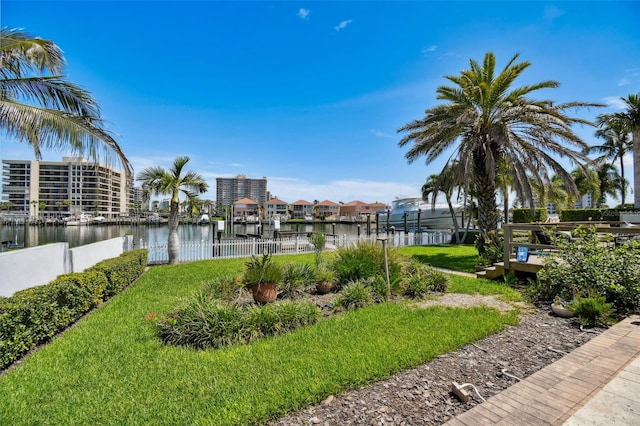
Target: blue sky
(310,94)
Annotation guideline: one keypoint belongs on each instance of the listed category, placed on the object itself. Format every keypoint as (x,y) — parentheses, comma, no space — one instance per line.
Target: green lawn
(111,369)
(457,257)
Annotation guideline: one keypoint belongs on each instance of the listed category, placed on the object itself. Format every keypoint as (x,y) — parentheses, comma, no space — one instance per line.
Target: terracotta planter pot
(265,292)
(324,287)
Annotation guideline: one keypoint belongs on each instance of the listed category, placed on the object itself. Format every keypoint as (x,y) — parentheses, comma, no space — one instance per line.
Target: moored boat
(412,213)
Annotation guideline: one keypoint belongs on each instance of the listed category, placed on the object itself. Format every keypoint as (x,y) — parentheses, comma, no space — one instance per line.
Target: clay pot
(265,292)
(324,287)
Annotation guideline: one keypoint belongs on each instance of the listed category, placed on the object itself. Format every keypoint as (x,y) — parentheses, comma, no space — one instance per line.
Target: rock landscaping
(422,396)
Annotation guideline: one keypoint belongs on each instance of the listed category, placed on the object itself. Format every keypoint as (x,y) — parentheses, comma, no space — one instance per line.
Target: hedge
(585,215)
(35,315)
(525,216)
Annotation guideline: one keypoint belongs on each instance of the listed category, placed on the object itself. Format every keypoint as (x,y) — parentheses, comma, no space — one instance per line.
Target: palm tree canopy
(159,181)
(617,143)
(630,119)
(485,121)
(39,107)
(611,183)
(617,140)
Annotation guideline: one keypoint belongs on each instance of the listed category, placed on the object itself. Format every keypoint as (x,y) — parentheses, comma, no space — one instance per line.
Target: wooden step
(492,272)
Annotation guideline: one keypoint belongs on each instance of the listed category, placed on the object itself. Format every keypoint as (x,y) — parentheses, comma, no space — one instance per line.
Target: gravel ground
(421,396)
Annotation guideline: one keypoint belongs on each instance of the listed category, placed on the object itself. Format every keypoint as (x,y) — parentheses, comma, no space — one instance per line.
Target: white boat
(81,219)
(405,213)
(203,219)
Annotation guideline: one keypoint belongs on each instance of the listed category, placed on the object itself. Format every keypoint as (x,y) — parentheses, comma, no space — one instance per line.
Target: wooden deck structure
(513,237)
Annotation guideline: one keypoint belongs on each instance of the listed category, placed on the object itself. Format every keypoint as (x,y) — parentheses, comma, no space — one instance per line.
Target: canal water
(30,236)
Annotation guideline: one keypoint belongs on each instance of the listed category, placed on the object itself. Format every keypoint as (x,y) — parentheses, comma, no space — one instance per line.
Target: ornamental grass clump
(592,310)
(363,261)
(296,279)
(203,321)
(419,279)
(354,296)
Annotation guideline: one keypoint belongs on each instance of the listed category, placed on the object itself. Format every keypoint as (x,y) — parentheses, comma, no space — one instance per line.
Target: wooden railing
(512,239)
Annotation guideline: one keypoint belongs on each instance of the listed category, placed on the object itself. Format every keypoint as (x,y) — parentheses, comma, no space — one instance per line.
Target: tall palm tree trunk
(456,227)
(623,183)
(173,243)
(635,135)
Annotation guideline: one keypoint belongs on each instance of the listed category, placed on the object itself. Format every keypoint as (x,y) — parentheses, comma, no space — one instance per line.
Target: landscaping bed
(421,396)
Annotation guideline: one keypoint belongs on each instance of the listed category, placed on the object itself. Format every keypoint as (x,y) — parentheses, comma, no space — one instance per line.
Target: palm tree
(617,143)
(611,183)
(446,183)
(555,193)
(484,120)
(40,107)
(630,119)
(588,183)
(172,182)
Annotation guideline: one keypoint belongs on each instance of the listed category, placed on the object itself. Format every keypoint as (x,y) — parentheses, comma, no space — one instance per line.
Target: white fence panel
(235,248)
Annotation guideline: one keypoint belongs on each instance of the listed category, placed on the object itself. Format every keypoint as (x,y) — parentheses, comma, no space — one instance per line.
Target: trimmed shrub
(525,216)
(585,215)
(92,285)
(121,271)
(34,315)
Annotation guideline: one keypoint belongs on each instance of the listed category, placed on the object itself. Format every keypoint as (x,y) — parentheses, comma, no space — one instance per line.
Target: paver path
(596,384)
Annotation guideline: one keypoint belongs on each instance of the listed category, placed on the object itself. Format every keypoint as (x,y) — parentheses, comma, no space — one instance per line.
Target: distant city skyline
(311,94)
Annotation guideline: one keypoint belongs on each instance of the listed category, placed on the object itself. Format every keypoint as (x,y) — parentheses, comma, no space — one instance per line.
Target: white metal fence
(232,248)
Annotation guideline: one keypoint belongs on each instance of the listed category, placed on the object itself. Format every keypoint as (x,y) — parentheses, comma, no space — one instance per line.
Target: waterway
(30,236)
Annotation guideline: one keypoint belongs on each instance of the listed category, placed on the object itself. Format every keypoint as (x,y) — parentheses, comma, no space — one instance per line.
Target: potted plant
(262,275)
(324,277)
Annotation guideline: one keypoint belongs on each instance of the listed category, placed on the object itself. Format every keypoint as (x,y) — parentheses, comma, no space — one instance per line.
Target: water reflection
(31,236)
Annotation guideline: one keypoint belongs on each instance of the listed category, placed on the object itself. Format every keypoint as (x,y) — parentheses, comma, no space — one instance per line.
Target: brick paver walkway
(596,384)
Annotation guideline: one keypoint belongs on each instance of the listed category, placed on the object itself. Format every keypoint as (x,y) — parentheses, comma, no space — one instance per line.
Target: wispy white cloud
(615,102)
(429,49)
(552,12)
(303,13)
(342,25)
(345,190)
(624,82)
(381,134)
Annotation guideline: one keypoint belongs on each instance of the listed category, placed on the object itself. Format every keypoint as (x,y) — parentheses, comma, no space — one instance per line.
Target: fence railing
(234,248)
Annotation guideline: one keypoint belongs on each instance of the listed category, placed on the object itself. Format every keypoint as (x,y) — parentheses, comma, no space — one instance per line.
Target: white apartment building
(68,187)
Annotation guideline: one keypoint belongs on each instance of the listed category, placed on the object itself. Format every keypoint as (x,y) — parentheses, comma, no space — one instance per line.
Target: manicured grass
(470,285)
(112,369)
(457,257)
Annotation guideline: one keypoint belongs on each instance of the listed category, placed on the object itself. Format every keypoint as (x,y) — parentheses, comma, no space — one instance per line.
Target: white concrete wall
(30,267)
(86,256)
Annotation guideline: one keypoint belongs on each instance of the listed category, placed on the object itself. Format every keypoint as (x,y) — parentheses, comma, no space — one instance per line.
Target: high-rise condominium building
(230,190)
(69,187)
